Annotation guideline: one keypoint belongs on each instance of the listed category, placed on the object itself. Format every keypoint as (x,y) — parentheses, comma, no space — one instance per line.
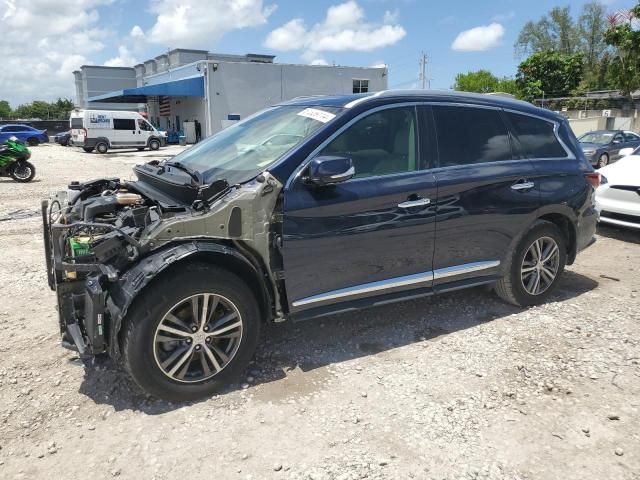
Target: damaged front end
(91,233)
(105,240)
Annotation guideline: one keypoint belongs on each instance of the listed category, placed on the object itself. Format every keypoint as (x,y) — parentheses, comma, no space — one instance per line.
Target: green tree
(555,31)
(592,24)
(549,74)
(5,109)
(624,37)
(40,109)
(483,81)
(61,108)
(23,111)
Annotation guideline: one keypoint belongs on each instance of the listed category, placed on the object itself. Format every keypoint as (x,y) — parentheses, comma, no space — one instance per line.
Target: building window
(360,86)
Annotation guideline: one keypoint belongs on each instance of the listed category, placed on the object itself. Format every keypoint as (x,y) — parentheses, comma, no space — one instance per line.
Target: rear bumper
(620,219)
(586,229)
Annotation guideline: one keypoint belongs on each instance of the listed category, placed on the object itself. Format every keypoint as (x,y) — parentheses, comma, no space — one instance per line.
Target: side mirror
(330,170)
(625,152)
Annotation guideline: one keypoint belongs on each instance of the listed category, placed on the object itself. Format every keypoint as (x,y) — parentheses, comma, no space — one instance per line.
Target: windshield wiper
(194,174)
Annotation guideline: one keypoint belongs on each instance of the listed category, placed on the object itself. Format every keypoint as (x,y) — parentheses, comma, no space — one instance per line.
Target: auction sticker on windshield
(319,115)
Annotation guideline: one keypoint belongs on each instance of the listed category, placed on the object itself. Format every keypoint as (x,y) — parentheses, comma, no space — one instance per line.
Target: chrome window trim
(556,127)
(407,280)
(296,173)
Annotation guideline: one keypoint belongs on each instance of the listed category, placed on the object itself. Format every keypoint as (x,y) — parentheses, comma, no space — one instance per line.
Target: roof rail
(364,99)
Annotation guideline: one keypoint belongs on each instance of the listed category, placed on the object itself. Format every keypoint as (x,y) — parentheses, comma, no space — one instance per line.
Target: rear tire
(154,144)
(23,172)
(154,361)
(603,160)
(102,147)
(141,149)
(529,279)
(88,149)
(33,142)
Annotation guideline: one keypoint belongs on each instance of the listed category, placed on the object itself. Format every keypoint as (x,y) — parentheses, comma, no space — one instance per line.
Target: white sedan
(618,197)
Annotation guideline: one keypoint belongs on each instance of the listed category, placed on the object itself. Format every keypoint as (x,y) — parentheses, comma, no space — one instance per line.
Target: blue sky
(347,32)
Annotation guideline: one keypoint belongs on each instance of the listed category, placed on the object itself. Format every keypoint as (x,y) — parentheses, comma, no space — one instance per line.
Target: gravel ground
(456,387)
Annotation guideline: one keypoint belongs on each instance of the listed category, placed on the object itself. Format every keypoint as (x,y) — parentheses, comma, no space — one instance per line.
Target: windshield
(240,152)
(599,138)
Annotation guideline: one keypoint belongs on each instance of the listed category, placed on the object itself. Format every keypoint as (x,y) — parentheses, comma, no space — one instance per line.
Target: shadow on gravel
(311,345)
(619,233)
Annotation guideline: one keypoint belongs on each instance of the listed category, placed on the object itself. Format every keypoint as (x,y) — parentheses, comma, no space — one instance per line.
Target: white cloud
(66,34)
(479,39)
(344,28)
(201,23)
(136,32)
(124,59)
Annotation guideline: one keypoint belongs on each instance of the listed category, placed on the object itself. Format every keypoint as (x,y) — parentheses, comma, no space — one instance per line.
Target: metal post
(423,69)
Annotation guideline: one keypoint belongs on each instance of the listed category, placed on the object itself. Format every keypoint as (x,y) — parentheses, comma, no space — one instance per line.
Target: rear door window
(76,123)
(124,124)
(469,135)
(535,138)
(631,137)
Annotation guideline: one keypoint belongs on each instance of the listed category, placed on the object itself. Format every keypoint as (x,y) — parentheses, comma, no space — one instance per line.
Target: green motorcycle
(13,161)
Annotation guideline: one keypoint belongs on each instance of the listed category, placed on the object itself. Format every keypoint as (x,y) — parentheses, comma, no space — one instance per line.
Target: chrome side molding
(424,278)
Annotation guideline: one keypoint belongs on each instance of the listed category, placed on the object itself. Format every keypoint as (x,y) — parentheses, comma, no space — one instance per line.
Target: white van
(105,129)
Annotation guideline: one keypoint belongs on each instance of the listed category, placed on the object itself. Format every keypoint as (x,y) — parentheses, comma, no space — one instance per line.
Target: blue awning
(186,87)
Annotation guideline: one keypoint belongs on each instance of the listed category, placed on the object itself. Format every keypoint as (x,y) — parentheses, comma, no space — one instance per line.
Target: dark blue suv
(311,207)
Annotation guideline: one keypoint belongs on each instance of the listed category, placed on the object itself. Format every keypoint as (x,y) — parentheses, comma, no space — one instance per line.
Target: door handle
(421,202)
(523,186)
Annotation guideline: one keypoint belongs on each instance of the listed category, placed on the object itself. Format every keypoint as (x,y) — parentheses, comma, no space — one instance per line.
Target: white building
(215,89)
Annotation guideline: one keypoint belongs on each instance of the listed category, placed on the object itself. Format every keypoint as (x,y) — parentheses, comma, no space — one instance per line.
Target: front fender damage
(123,293)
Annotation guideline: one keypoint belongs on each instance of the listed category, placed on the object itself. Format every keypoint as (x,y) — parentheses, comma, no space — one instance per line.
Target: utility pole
(423,69)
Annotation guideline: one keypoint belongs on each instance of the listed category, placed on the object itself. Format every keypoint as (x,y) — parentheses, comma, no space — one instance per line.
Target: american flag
(165,106)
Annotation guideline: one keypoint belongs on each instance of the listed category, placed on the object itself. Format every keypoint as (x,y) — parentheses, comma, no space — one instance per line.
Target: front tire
(169,340)
(23,172)
(154,144)
(535,266)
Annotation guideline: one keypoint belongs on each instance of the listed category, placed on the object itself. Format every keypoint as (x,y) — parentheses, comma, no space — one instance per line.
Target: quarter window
(379,144)
(631,137)
(360,86)
(124,124)
(535,137)
(468,135)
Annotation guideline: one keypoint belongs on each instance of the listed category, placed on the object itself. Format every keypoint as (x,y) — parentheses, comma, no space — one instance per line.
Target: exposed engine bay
(105,239)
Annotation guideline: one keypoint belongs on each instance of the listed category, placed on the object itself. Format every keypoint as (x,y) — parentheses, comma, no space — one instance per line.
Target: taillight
(593,178)
(85,132)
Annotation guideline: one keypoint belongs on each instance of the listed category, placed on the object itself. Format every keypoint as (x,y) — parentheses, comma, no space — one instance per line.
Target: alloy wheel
(540,265)
(197,338)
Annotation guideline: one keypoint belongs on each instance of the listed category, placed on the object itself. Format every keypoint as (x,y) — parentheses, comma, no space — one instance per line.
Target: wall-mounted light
(215,67)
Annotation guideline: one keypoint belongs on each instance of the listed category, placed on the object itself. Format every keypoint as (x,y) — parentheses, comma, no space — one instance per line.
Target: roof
(391,96)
